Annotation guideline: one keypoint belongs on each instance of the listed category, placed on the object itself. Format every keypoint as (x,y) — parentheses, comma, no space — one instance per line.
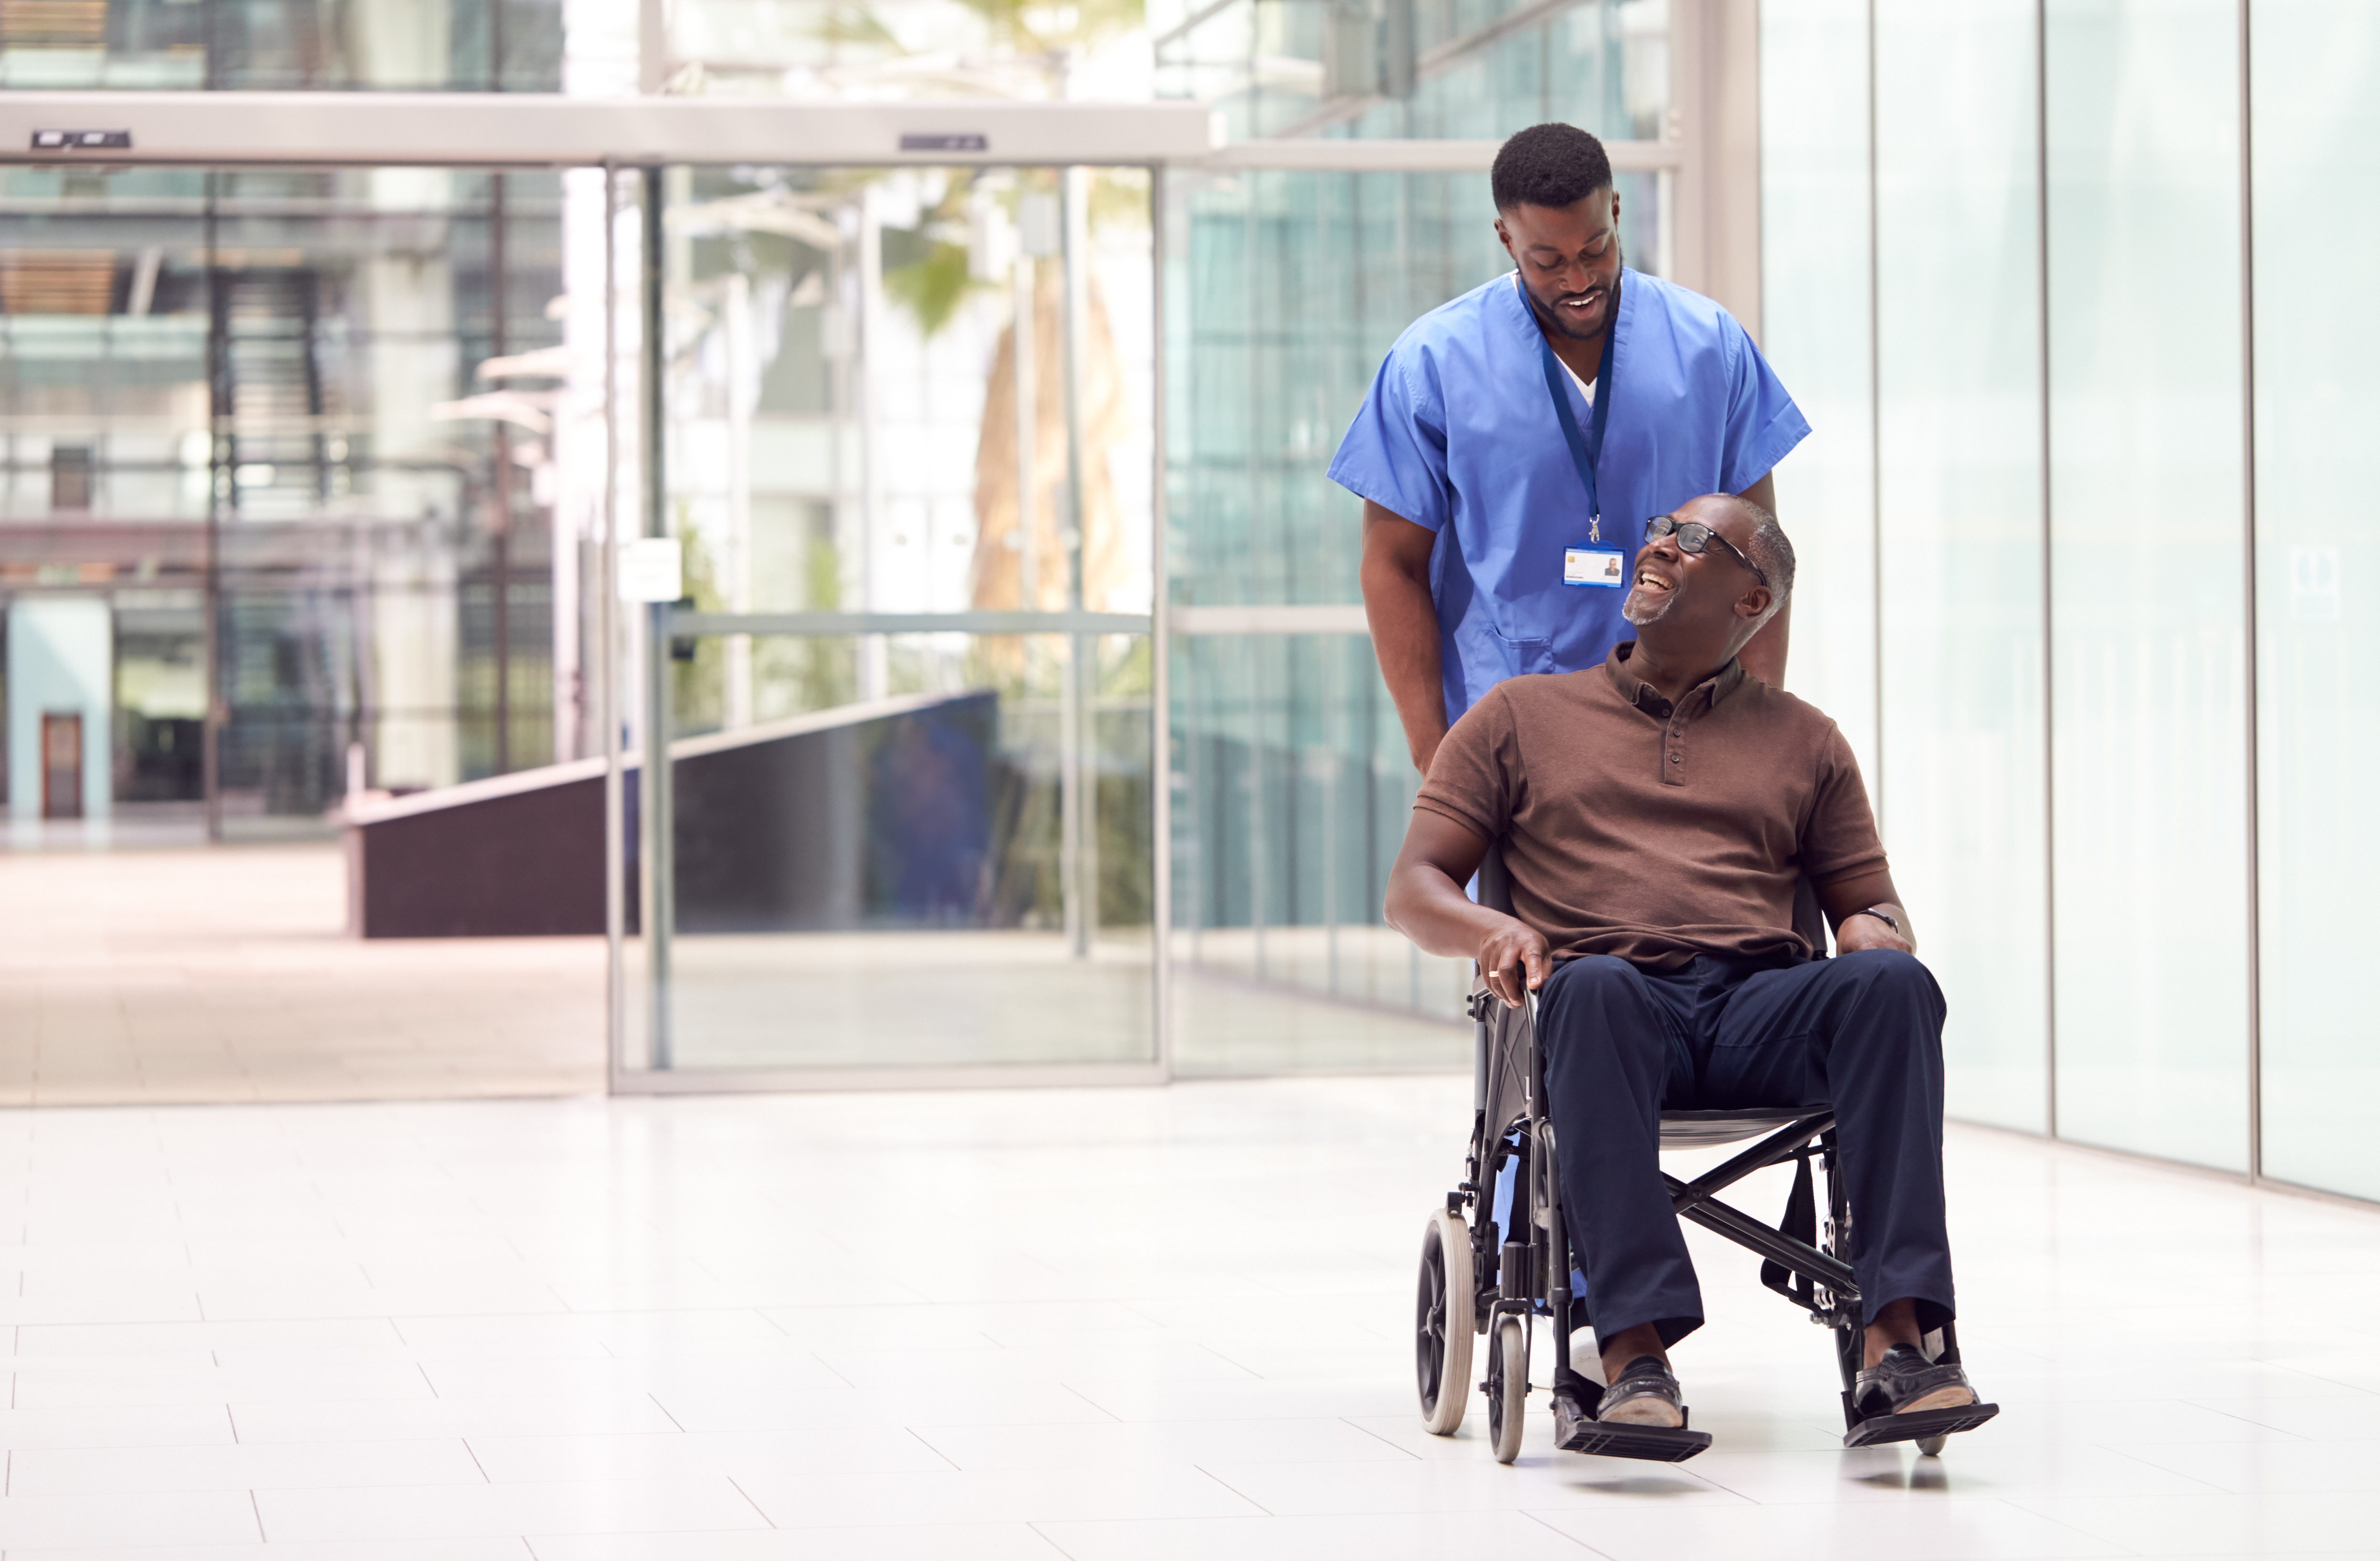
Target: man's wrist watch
(1880,914)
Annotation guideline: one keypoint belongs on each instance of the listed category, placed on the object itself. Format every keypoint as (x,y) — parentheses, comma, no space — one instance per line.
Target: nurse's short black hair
(1549,165)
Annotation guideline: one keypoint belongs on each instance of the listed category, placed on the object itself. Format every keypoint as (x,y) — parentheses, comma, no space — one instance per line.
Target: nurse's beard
(1550,311)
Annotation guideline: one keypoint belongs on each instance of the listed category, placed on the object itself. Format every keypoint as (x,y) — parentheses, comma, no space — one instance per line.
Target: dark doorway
(61,765)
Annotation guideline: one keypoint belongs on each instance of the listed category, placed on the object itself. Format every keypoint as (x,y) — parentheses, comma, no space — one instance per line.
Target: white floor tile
(487,1549)
(1949,1530)
(1114,1445)
(1367,1537)
(841,1450)
(2311,1522)
(946,1542)
(181,1517)
(462,1511)
(141,1425)
(131,1470)
(1004,1496)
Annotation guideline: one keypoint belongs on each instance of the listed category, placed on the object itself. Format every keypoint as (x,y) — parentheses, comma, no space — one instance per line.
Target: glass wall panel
(1958,301)
(2316,97)
(1291,798)
(1816,330)
(279,45)
(268,405)
(2148,618)
(1457,70)
(924,393)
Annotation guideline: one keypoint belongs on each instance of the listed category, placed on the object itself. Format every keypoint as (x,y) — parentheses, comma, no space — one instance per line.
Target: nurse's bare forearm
(1395,578)
(1764,656)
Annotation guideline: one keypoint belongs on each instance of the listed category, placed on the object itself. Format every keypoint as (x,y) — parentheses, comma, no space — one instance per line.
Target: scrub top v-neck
(1459,435)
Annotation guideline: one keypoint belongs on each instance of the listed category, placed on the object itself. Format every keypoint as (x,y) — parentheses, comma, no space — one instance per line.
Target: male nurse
(1517,440)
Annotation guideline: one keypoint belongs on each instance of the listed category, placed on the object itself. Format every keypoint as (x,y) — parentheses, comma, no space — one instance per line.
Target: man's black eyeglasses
(1693,537)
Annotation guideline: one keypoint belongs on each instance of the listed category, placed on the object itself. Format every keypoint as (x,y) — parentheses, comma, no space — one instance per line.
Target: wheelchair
(1480,1282)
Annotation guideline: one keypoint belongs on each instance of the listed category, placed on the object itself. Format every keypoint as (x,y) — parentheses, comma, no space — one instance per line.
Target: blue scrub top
(1459,434)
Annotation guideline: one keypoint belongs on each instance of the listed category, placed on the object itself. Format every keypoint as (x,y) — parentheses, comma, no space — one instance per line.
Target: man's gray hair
(1772,552)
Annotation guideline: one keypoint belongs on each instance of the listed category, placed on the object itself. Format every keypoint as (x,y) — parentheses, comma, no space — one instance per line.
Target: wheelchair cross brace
(1696,1201)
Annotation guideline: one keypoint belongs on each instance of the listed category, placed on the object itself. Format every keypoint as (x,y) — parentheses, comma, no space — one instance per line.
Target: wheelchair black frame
(1530,1276)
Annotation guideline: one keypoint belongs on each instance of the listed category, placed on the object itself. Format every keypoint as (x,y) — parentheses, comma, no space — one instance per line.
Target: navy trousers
(1861,1032)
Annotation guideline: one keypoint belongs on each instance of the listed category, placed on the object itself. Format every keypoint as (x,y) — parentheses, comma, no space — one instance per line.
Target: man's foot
(1906,1382)
(1645,1394)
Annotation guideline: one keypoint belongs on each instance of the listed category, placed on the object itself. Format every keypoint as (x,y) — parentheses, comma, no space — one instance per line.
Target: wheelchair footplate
(1577,1430)
(1922,1425)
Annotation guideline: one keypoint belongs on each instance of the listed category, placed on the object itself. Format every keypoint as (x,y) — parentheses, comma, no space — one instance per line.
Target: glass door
(900,437)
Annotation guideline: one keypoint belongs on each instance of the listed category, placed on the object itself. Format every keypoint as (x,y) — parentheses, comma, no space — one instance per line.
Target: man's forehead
(1724,514)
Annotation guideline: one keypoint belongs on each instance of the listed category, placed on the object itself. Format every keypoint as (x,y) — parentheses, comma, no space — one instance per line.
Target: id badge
(1585,564)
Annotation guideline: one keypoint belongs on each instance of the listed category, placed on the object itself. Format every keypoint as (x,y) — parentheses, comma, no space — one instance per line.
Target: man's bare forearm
(1404,620)
(1426,903)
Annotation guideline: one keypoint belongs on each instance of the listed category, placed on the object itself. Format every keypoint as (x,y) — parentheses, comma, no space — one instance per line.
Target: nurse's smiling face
(1569,259)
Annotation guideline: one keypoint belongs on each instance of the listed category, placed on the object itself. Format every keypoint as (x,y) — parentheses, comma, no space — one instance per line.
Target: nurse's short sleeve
(1395,452)
(1763,424)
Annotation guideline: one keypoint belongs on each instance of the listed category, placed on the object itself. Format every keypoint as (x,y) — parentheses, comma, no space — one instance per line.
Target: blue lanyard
(1583,453)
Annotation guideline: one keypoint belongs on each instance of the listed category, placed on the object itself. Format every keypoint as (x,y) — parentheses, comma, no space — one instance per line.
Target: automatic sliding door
(906,694)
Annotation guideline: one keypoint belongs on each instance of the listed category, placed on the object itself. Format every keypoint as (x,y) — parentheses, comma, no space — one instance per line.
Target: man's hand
(1510,953)
(1859,932)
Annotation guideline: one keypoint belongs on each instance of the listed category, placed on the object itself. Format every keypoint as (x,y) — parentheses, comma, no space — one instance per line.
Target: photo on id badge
(1586,564)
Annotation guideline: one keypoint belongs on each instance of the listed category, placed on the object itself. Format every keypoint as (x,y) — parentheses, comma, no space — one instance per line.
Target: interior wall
(61,661)
(2112,602)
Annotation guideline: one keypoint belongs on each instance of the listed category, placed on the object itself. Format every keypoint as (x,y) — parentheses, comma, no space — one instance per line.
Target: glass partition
(1959,543)
(2147,618)
(906,436)
(2317,66)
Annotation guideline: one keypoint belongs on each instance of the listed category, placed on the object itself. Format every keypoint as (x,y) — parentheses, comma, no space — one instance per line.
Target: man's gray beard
(1628,609)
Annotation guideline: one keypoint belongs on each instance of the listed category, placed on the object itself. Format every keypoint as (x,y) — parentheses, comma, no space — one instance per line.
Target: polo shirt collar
(1641,695)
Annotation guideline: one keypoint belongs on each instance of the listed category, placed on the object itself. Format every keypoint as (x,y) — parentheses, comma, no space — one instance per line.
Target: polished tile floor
(1111,1325)
(148,976)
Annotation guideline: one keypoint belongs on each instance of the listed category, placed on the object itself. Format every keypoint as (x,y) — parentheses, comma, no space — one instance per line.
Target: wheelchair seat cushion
(1705,1129)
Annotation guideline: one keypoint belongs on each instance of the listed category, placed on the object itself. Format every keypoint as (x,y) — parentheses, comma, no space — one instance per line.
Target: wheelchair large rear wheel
(1444,1322)
(1508,1385)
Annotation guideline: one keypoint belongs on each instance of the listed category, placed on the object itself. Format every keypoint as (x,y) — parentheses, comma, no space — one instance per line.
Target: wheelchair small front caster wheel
(1444,1320)
(1931,1447)
(1507,1387)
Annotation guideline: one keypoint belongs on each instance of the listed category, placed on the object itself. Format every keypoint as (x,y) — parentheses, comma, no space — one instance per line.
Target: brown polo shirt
(1650,831)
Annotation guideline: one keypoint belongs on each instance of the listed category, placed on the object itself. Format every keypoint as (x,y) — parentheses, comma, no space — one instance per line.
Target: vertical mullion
(1160,651)
(1875,432)
(2248,550)
(2048,641)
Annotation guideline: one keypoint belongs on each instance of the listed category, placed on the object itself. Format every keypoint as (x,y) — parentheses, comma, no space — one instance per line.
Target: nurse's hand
(1511,954)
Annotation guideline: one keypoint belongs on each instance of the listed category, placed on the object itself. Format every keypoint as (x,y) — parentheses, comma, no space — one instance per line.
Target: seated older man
(1655,814)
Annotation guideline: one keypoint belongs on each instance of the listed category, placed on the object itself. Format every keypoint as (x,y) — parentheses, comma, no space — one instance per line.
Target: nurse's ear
(1753,605)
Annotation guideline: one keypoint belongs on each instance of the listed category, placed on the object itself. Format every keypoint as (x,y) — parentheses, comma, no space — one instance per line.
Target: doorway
(61,764)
